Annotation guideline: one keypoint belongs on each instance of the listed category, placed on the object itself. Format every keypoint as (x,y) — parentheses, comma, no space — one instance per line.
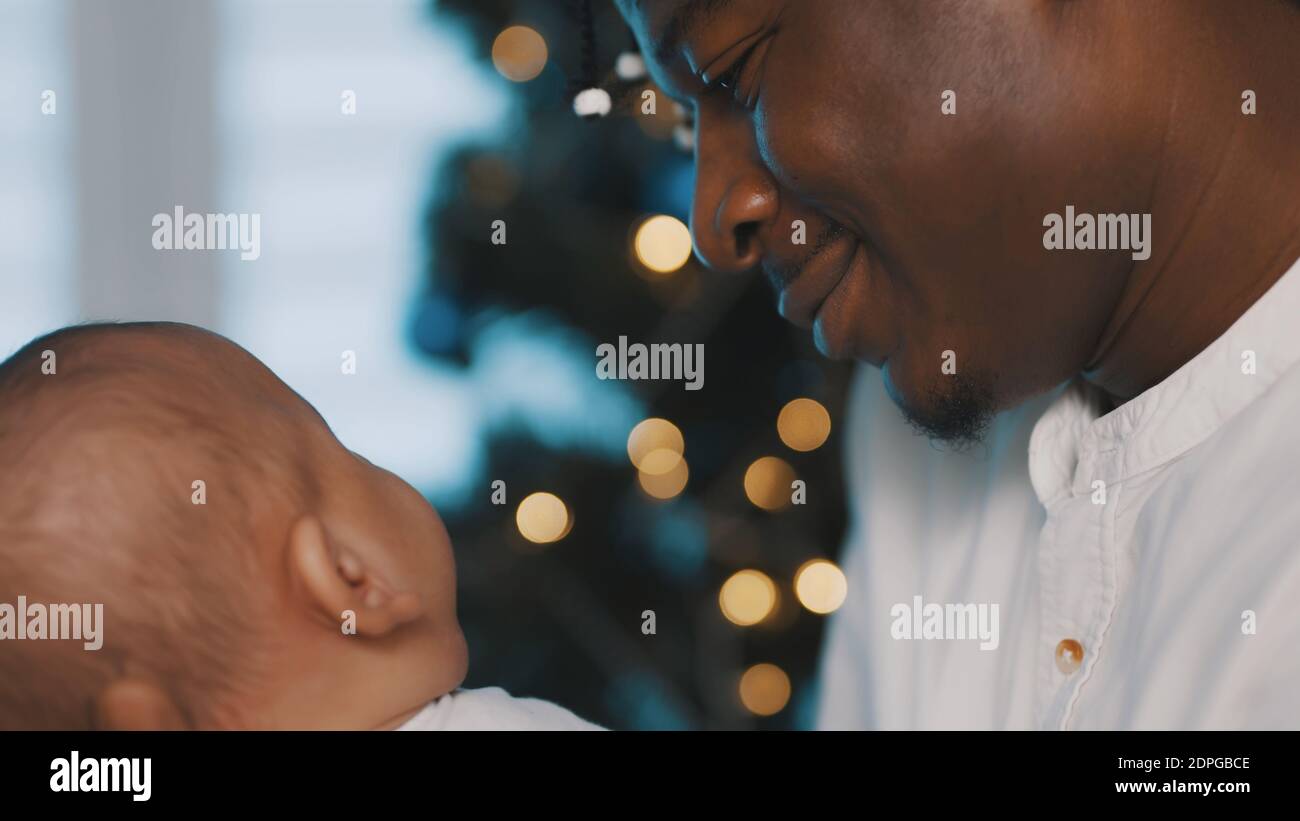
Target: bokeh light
(519,53)
(803,424)
(655,446)
(747,598)
(665,485)
(491,181)
(663,244)
(764,689)
(542,518)
(767,482)
(820,586)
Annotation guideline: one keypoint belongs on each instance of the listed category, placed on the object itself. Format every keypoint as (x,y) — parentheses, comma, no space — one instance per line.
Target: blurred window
(342,197)
(37,224)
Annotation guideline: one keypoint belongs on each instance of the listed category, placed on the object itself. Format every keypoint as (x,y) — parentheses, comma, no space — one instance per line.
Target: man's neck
(1225,208)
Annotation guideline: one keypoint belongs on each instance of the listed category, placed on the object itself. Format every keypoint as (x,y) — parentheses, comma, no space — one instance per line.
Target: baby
(253,572)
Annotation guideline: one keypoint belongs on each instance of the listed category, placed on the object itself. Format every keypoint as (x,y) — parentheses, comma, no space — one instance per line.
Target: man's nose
(735,200)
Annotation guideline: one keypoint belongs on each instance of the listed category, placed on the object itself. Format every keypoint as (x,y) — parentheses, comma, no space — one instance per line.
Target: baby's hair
(103,431)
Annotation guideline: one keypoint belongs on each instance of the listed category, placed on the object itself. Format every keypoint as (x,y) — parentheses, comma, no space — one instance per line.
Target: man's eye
(731,83)
(733,79)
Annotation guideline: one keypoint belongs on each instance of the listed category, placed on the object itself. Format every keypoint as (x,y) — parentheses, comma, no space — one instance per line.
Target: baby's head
(253,572)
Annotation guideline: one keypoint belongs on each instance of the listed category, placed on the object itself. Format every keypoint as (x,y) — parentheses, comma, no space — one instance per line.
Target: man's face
(924,229)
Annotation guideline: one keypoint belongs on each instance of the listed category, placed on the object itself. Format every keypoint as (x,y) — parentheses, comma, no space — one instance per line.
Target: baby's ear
(339,586)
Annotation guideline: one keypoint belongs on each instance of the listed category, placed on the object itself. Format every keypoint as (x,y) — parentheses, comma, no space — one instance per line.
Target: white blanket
(492,708)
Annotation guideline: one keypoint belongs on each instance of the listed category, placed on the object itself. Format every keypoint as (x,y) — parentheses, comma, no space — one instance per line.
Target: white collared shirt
(1145,562)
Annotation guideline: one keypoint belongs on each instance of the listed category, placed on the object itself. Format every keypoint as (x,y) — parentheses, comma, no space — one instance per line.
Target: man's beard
(956,410)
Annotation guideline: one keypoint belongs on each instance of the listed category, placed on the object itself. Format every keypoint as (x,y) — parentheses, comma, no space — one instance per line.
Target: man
(1067,230)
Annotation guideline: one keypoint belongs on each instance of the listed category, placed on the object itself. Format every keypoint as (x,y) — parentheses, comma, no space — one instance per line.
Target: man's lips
(831,291)
(806,288)
(843,326)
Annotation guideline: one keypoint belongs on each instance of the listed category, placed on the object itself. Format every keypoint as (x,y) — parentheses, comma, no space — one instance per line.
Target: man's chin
(953,409)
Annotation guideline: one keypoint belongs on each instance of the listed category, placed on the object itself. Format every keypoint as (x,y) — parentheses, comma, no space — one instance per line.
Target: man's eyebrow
(687,17)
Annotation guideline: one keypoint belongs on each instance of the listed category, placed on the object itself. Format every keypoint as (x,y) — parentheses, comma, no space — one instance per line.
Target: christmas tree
(651,575)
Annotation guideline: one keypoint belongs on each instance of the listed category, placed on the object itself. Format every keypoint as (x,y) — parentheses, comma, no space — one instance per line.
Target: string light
(662,244)
(747,598)
(803,424)
(630,67)
(592,102)
(764,689)
(684,137)
(820,586)
(542,518)
(519,53)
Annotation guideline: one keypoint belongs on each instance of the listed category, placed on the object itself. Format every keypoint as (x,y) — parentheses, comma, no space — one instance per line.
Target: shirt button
(1069,655)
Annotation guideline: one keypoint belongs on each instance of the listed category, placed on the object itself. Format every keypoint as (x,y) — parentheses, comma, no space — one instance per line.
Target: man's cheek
(802,143)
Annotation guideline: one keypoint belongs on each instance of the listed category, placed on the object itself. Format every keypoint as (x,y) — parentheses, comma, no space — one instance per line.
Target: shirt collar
(1073,444)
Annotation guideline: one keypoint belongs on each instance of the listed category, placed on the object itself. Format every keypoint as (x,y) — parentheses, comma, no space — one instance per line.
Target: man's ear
(335,581)
(136,704)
